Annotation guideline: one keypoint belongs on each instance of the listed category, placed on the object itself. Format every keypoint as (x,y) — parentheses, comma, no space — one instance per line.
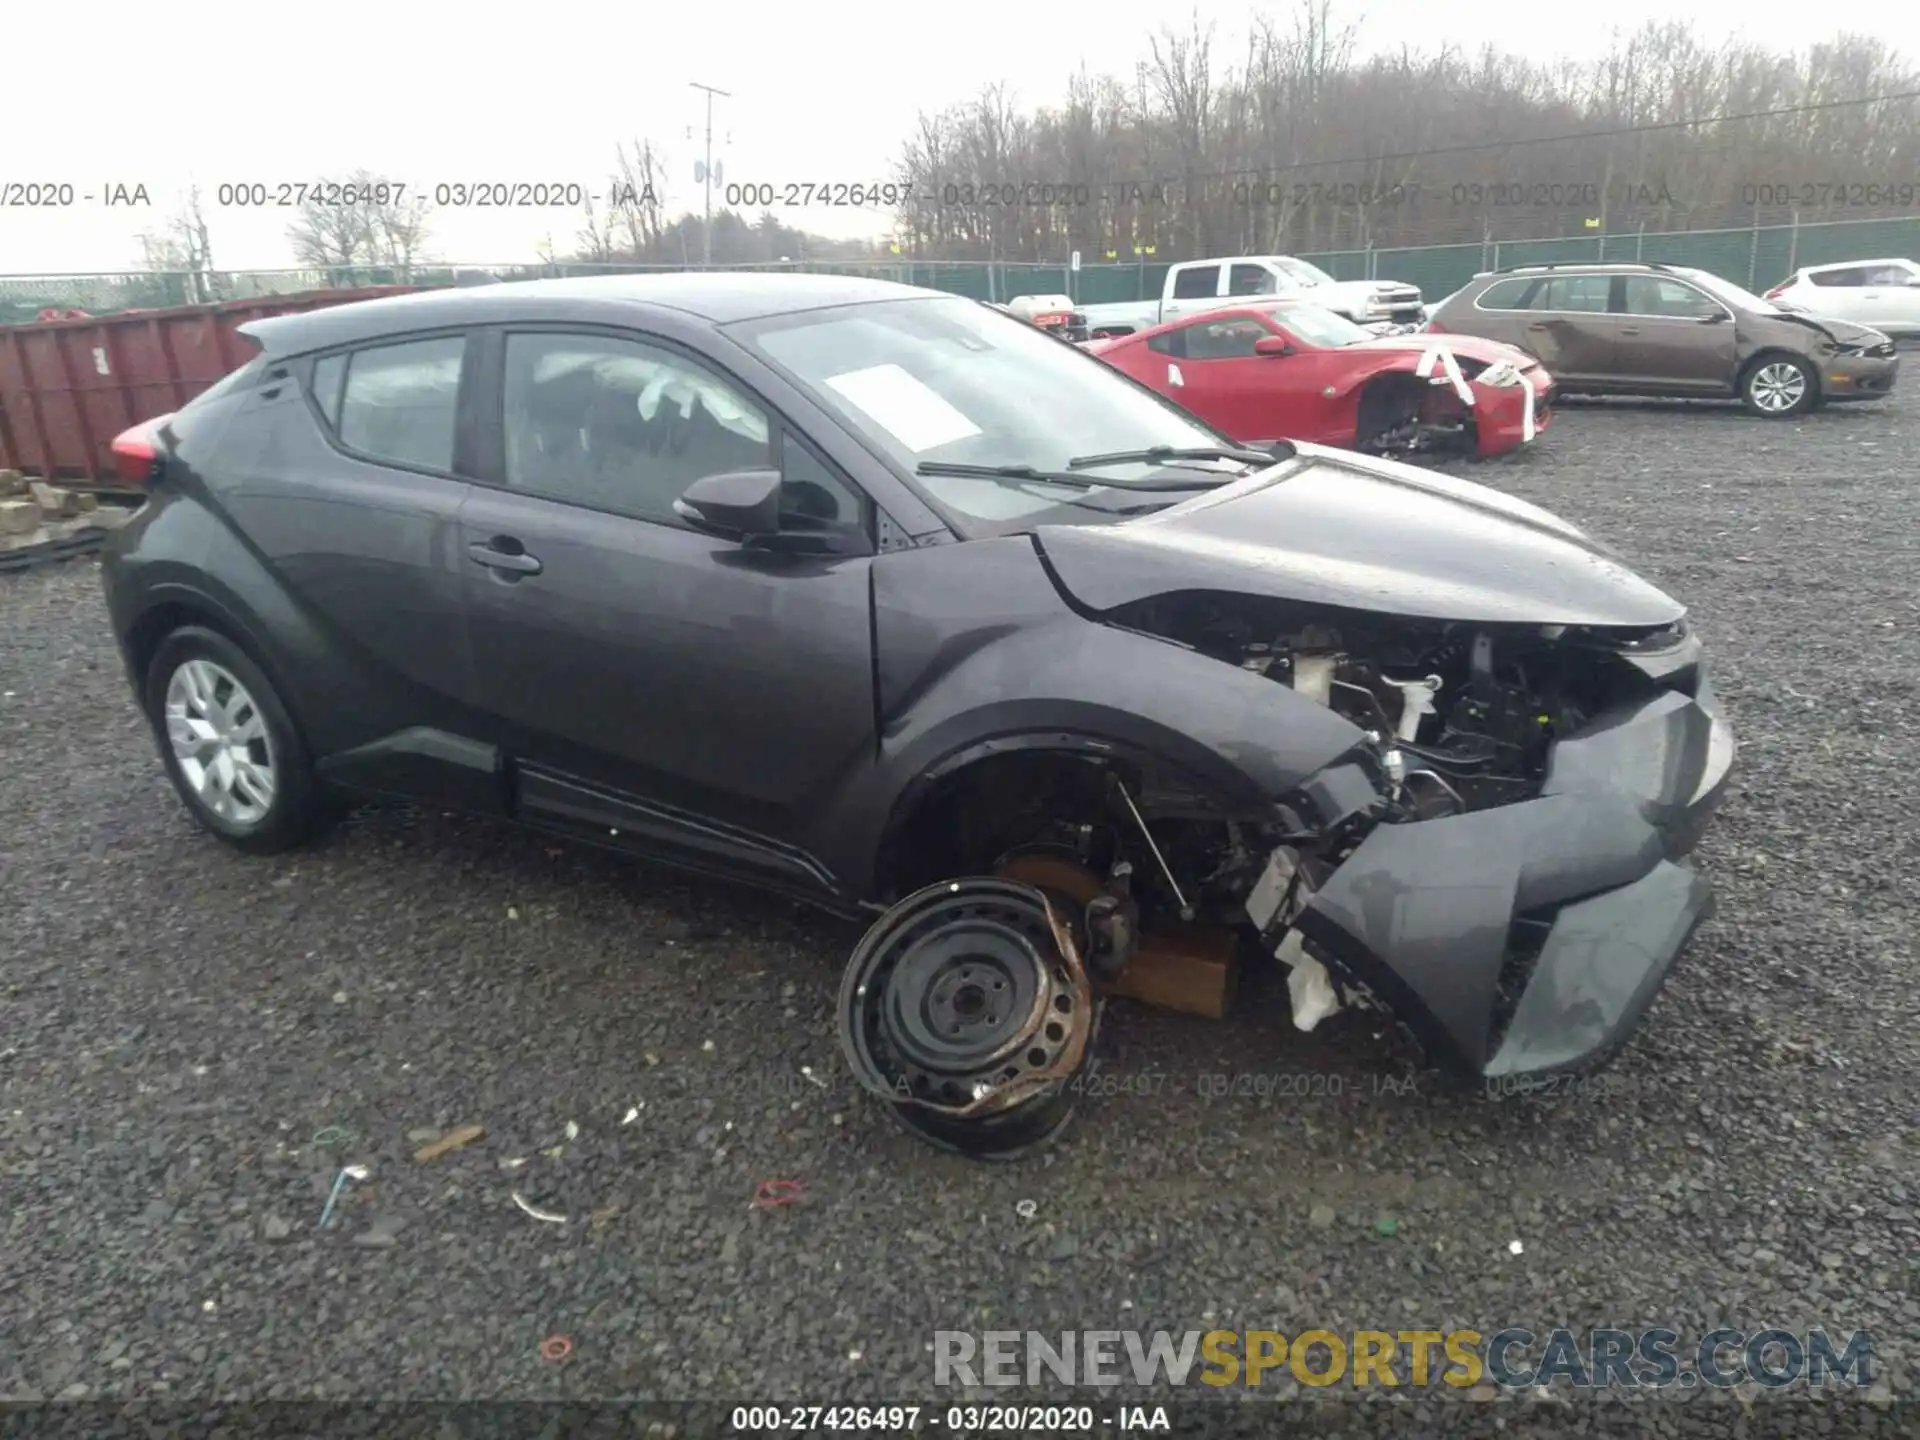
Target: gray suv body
(1634,329)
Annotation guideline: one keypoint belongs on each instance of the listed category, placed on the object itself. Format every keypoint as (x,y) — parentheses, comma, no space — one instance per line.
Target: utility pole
(706,171)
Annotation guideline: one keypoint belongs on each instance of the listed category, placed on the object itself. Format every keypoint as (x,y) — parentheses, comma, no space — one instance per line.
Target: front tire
(1779,386)
(229,745)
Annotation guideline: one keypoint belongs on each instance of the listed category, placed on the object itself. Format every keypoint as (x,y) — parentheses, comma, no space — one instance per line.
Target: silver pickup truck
(1209,284)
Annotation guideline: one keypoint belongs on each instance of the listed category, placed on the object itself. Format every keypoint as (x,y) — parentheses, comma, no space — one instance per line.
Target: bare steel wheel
(231,749)
(220,742)
(1779,386)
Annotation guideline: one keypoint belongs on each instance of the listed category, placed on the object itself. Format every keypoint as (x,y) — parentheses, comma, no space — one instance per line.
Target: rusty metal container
(67,387)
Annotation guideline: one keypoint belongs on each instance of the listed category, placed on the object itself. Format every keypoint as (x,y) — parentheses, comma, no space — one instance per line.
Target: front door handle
(1539,325)
(1629,329)
(494,557)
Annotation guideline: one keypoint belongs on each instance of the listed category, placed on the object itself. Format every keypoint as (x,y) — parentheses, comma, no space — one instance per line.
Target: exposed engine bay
(1145,882)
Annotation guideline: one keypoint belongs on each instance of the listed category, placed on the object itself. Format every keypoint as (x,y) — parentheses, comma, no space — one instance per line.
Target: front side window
(1304,271)
(1890,275)
(622,426)
(398,402)
(1252,280)
(1224,339)
(1850,277)
(945,380)
(1197,282)
(1653,295)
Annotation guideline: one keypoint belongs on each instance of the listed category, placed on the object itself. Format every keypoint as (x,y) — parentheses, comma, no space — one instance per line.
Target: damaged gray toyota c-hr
(885,601)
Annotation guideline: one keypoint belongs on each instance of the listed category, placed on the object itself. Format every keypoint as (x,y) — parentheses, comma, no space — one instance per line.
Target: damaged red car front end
(1287,371)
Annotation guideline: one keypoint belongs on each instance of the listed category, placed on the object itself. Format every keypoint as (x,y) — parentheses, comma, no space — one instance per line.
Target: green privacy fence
(1756,257)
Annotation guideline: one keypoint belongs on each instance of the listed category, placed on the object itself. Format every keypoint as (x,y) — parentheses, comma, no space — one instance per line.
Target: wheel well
(1779,353)
(967,819)
(151,630)
(1378,409)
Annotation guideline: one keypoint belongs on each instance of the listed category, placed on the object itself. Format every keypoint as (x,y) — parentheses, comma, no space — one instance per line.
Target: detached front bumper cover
(1528,939)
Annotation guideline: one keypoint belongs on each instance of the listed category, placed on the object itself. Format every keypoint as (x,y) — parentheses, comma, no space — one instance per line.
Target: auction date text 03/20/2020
(505,194)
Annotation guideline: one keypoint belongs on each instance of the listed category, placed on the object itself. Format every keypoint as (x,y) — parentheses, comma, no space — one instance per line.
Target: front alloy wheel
(1779,387)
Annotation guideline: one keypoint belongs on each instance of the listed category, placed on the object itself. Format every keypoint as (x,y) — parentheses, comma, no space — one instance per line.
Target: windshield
(1321,328)
(1731,293)
(948,380)
(1303,272)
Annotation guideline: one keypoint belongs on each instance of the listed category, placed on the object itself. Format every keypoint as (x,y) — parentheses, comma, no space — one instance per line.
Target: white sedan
(1882,293)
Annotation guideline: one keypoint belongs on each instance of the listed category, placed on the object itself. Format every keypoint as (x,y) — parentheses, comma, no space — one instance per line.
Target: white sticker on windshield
(918,417)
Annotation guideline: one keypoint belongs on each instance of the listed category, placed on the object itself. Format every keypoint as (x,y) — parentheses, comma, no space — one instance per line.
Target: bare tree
(181,245)
(358,221)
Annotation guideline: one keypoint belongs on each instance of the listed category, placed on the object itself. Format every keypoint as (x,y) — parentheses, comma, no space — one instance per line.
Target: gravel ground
(181,1023)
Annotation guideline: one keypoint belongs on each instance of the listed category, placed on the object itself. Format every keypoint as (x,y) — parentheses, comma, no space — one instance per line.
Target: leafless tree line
(1299,143)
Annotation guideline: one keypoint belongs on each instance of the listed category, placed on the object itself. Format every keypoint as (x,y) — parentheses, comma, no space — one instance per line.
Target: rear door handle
(496,558)
(1629,329)
(1539,325)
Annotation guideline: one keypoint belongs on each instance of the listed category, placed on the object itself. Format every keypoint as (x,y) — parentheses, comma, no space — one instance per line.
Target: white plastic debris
(1309,986)
(1026,1209)
(1416,703)
(807,1070)
(573,1131)
(706,1045)
(209,1306)
(1514,1247)
(546,1216)
(631,1116)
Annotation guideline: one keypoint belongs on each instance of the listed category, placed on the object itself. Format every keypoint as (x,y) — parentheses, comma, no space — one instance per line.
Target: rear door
(654,680)
(346,475)
(1564,319)
(1675,337)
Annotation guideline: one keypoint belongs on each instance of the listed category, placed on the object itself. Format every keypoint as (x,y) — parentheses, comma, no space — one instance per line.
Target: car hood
(1467,347)
(1331,528)
(1844,332)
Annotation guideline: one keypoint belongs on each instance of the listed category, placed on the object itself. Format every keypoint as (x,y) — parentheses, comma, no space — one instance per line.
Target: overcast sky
(428,92)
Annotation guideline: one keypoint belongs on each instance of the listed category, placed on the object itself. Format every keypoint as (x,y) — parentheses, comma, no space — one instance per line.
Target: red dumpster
(68,386)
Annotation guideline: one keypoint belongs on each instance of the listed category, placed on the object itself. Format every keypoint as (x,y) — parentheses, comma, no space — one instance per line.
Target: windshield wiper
(1166,454)
(1033,473)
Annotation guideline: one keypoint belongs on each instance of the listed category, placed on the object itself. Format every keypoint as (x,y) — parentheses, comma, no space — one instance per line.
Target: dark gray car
(882,600)
(1671,330)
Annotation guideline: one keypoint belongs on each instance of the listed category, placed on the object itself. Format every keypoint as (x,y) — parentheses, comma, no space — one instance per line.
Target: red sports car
(1285,370)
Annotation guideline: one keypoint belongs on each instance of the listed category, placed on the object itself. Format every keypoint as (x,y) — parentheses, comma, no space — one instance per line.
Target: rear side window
(1506,295)
(1197,283)
(1576,292)
(1852,275)
(1252,280)
(398,402)
(1173,343)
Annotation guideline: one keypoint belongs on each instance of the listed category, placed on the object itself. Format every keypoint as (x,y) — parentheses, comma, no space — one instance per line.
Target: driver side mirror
(736,505)
(1273,345)
(1711,317)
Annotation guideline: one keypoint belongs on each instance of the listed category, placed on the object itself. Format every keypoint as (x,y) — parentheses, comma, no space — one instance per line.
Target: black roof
(717,297)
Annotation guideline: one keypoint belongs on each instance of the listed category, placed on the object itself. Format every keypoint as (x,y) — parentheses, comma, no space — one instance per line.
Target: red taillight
(137,453)
(1777,291)
(1434,327)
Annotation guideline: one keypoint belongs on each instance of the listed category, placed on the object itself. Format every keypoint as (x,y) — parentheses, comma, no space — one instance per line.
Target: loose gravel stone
(172,1045)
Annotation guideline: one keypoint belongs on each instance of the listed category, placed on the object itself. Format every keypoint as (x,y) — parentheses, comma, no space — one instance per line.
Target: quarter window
(1849,277)
(399,401)
(622,426)
(1507,294)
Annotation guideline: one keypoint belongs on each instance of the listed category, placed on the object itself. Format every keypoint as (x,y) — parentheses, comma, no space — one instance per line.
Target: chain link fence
(1757,257)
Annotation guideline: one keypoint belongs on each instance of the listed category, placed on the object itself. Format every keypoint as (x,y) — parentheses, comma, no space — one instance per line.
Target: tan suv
(1670,330)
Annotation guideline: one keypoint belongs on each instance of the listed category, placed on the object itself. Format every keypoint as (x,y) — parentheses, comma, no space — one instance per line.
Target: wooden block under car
(54,502)
(1192,971)
(19,517)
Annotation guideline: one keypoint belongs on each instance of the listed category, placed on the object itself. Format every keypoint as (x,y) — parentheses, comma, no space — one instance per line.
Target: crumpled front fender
(1424,914)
